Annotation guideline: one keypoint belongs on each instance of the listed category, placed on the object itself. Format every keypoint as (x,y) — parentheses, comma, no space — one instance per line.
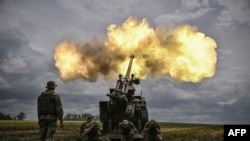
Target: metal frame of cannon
(123,104)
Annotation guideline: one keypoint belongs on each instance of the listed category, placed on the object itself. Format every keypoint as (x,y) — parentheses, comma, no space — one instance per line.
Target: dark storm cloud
(20,67)
(29,31)
(211,101)
(80,103)
(17,58)
(234,13)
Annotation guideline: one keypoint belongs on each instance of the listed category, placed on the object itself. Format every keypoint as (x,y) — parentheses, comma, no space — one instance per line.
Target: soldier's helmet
(152,123)
(51,84)
(125,123)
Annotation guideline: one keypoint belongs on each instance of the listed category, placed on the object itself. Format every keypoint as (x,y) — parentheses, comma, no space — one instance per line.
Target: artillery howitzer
(123,104)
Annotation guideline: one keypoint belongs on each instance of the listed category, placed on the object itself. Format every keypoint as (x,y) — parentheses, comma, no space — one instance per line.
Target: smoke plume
(181,51)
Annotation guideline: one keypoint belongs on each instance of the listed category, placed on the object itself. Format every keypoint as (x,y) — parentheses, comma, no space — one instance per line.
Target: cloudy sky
(30,30)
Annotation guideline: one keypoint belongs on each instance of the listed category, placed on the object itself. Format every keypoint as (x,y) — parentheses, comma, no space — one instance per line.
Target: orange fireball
(182,52)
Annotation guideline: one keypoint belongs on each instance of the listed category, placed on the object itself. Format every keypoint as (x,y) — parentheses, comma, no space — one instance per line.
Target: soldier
(127,130)
(49,108)
(89,120)
(152,131)
(90,131)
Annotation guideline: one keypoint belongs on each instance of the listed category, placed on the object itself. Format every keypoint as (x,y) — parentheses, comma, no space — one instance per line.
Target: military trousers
(47,129)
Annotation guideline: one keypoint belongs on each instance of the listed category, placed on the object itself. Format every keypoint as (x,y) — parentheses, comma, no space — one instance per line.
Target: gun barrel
(129,66)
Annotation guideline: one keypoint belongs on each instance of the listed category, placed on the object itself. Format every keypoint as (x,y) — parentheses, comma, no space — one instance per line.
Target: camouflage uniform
(127,130)
(90,131)
(49,109)
(152,131)
(82,129)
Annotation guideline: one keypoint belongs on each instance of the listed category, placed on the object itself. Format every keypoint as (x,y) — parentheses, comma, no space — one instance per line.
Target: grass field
(28,131)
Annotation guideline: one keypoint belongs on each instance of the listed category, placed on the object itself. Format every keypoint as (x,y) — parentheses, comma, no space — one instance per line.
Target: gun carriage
(123,104)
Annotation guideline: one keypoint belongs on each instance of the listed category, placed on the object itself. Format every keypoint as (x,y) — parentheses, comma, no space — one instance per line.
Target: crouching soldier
(127,130)
(152,131)
(90,131)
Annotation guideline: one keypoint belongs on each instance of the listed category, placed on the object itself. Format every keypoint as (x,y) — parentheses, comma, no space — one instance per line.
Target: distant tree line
(80,116)
(20,116)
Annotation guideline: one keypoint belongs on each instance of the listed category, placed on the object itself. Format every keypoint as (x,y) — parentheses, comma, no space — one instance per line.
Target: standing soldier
(152,131)
(127,130)
(49,108)
(90,131)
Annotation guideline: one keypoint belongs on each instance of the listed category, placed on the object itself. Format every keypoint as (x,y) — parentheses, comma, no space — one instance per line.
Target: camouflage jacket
(49,106)
(152,128)
(93,133)
(125,131)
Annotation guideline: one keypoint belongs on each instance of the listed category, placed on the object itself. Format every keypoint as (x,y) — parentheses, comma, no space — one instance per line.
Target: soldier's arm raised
(88,127)
(82,128)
